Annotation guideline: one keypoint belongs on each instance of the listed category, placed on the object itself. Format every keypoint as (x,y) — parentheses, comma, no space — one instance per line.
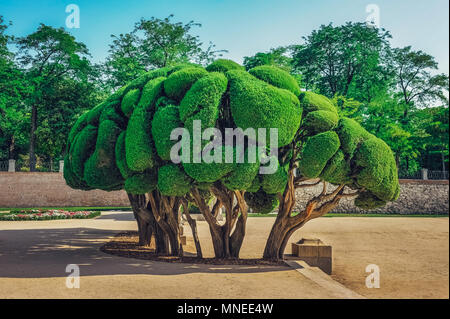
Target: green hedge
(224,65)
(178,83)
(165,120)
(173,181)
(256,104)
(277,77)
(100,170)
(316,152)
(202,101)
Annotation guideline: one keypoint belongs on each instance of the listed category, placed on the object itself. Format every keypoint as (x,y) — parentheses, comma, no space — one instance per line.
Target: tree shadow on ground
(40,253)
(117,216)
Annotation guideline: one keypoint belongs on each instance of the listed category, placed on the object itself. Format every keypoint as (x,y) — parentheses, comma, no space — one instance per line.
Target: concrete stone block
(314,252)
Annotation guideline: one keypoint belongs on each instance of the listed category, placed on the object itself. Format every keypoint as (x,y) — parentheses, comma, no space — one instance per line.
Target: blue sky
(243,27)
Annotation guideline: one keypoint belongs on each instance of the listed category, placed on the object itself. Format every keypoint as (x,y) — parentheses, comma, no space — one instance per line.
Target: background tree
(155,43)
(125,61)
(332,59)
(47,55)
(279,57)
(413,70)
(436,144)
(13,92)
(61,104)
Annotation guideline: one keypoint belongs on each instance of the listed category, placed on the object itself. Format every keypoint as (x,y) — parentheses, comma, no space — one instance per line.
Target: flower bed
(36,214)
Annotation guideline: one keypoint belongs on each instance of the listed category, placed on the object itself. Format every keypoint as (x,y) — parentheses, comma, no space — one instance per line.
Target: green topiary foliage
(178,83)
(203,186)
(337,170)
(351,135)
(79,125)
(164,121)
(119,94)
(315,102)
(261,202)
(141,183)
(277,77)
(377,169)
(121,160)
(320,121)
(139,147)
(316,152)
(256,104)
(224,65)
(202,101)
(100,170)
(181,66)
(138,83)
(276,182)
(367,200)
(94,114)
(82,149)
(163,101)
(255,186)
(172,181)
(130,101)
(243,175)
(71,179)
(209,172)
(111,113)
(150,93)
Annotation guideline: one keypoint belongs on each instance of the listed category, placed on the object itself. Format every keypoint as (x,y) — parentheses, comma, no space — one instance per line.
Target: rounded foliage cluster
(261,202)
(340,151)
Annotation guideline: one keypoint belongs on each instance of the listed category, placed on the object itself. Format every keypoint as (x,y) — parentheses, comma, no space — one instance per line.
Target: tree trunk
(145,230)
(238,235)
(285,224)
(443,164)
(226,244)
(237,238)
(11,148)
(32,154)
(272,251)
(165,211)
(147,225)
(193,224)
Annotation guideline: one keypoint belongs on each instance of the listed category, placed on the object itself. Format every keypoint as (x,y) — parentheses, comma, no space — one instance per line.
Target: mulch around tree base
(126,244)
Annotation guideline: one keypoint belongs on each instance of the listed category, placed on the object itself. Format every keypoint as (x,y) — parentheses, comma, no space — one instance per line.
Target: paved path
(34,256)
(412,254)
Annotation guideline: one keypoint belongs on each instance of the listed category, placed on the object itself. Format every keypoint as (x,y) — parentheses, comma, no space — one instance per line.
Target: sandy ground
(412,254)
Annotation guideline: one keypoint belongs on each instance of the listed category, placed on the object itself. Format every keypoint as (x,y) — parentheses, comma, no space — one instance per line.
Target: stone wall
(416,197)
(50,190)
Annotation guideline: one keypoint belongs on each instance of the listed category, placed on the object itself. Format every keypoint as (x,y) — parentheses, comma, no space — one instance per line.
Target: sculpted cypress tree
(128,142)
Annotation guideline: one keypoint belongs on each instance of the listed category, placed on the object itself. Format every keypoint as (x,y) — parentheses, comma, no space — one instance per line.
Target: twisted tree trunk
(227,238)
(147,225)
(193,224)
(286,224)
(166,213)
